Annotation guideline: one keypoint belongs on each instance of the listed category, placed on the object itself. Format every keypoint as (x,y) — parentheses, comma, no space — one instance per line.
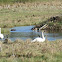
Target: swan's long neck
(43,35)
(0,30)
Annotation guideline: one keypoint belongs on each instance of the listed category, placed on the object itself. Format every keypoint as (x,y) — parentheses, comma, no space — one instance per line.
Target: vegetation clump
(53,23)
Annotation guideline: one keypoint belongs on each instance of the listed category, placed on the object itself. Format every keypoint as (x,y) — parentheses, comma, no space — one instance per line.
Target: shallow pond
(25,32)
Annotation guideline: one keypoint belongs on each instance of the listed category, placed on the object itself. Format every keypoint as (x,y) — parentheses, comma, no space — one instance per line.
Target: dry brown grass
(32,51)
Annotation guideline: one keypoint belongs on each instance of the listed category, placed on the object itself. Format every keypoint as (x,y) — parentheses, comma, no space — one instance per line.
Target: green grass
(23,1)
(19,14)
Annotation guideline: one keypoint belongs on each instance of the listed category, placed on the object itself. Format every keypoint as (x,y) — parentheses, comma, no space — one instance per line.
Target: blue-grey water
(25,32)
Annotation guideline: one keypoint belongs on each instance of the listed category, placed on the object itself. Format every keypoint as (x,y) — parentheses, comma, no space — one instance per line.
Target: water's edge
(25,32)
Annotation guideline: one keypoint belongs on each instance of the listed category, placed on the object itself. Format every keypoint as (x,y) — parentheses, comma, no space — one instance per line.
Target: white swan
(39,39)
(1,35)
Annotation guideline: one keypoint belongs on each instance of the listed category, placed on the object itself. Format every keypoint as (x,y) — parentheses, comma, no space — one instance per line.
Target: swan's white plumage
(39,39)
(1,35)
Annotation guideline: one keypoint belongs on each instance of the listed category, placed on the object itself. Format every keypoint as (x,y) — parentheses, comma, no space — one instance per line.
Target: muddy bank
(53,23)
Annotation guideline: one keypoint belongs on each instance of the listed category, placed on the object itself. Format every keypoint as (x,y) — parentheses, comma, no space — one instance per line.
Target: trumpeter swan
(1,35)
(39,39)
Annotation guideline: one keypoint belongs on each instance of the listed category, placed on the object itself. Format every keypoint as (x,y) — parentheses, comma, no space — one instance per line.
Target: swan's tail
(33,40)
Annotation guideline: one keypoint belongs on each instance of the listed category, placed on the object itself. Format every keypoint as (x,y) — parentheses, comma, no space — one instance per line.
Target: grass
(23,1)
(20,14)
(26,51)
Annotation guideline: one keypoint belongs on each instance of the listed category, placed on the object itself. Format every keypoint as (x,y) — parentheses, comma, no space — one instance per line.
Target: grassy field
(26,51)
(22,14)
